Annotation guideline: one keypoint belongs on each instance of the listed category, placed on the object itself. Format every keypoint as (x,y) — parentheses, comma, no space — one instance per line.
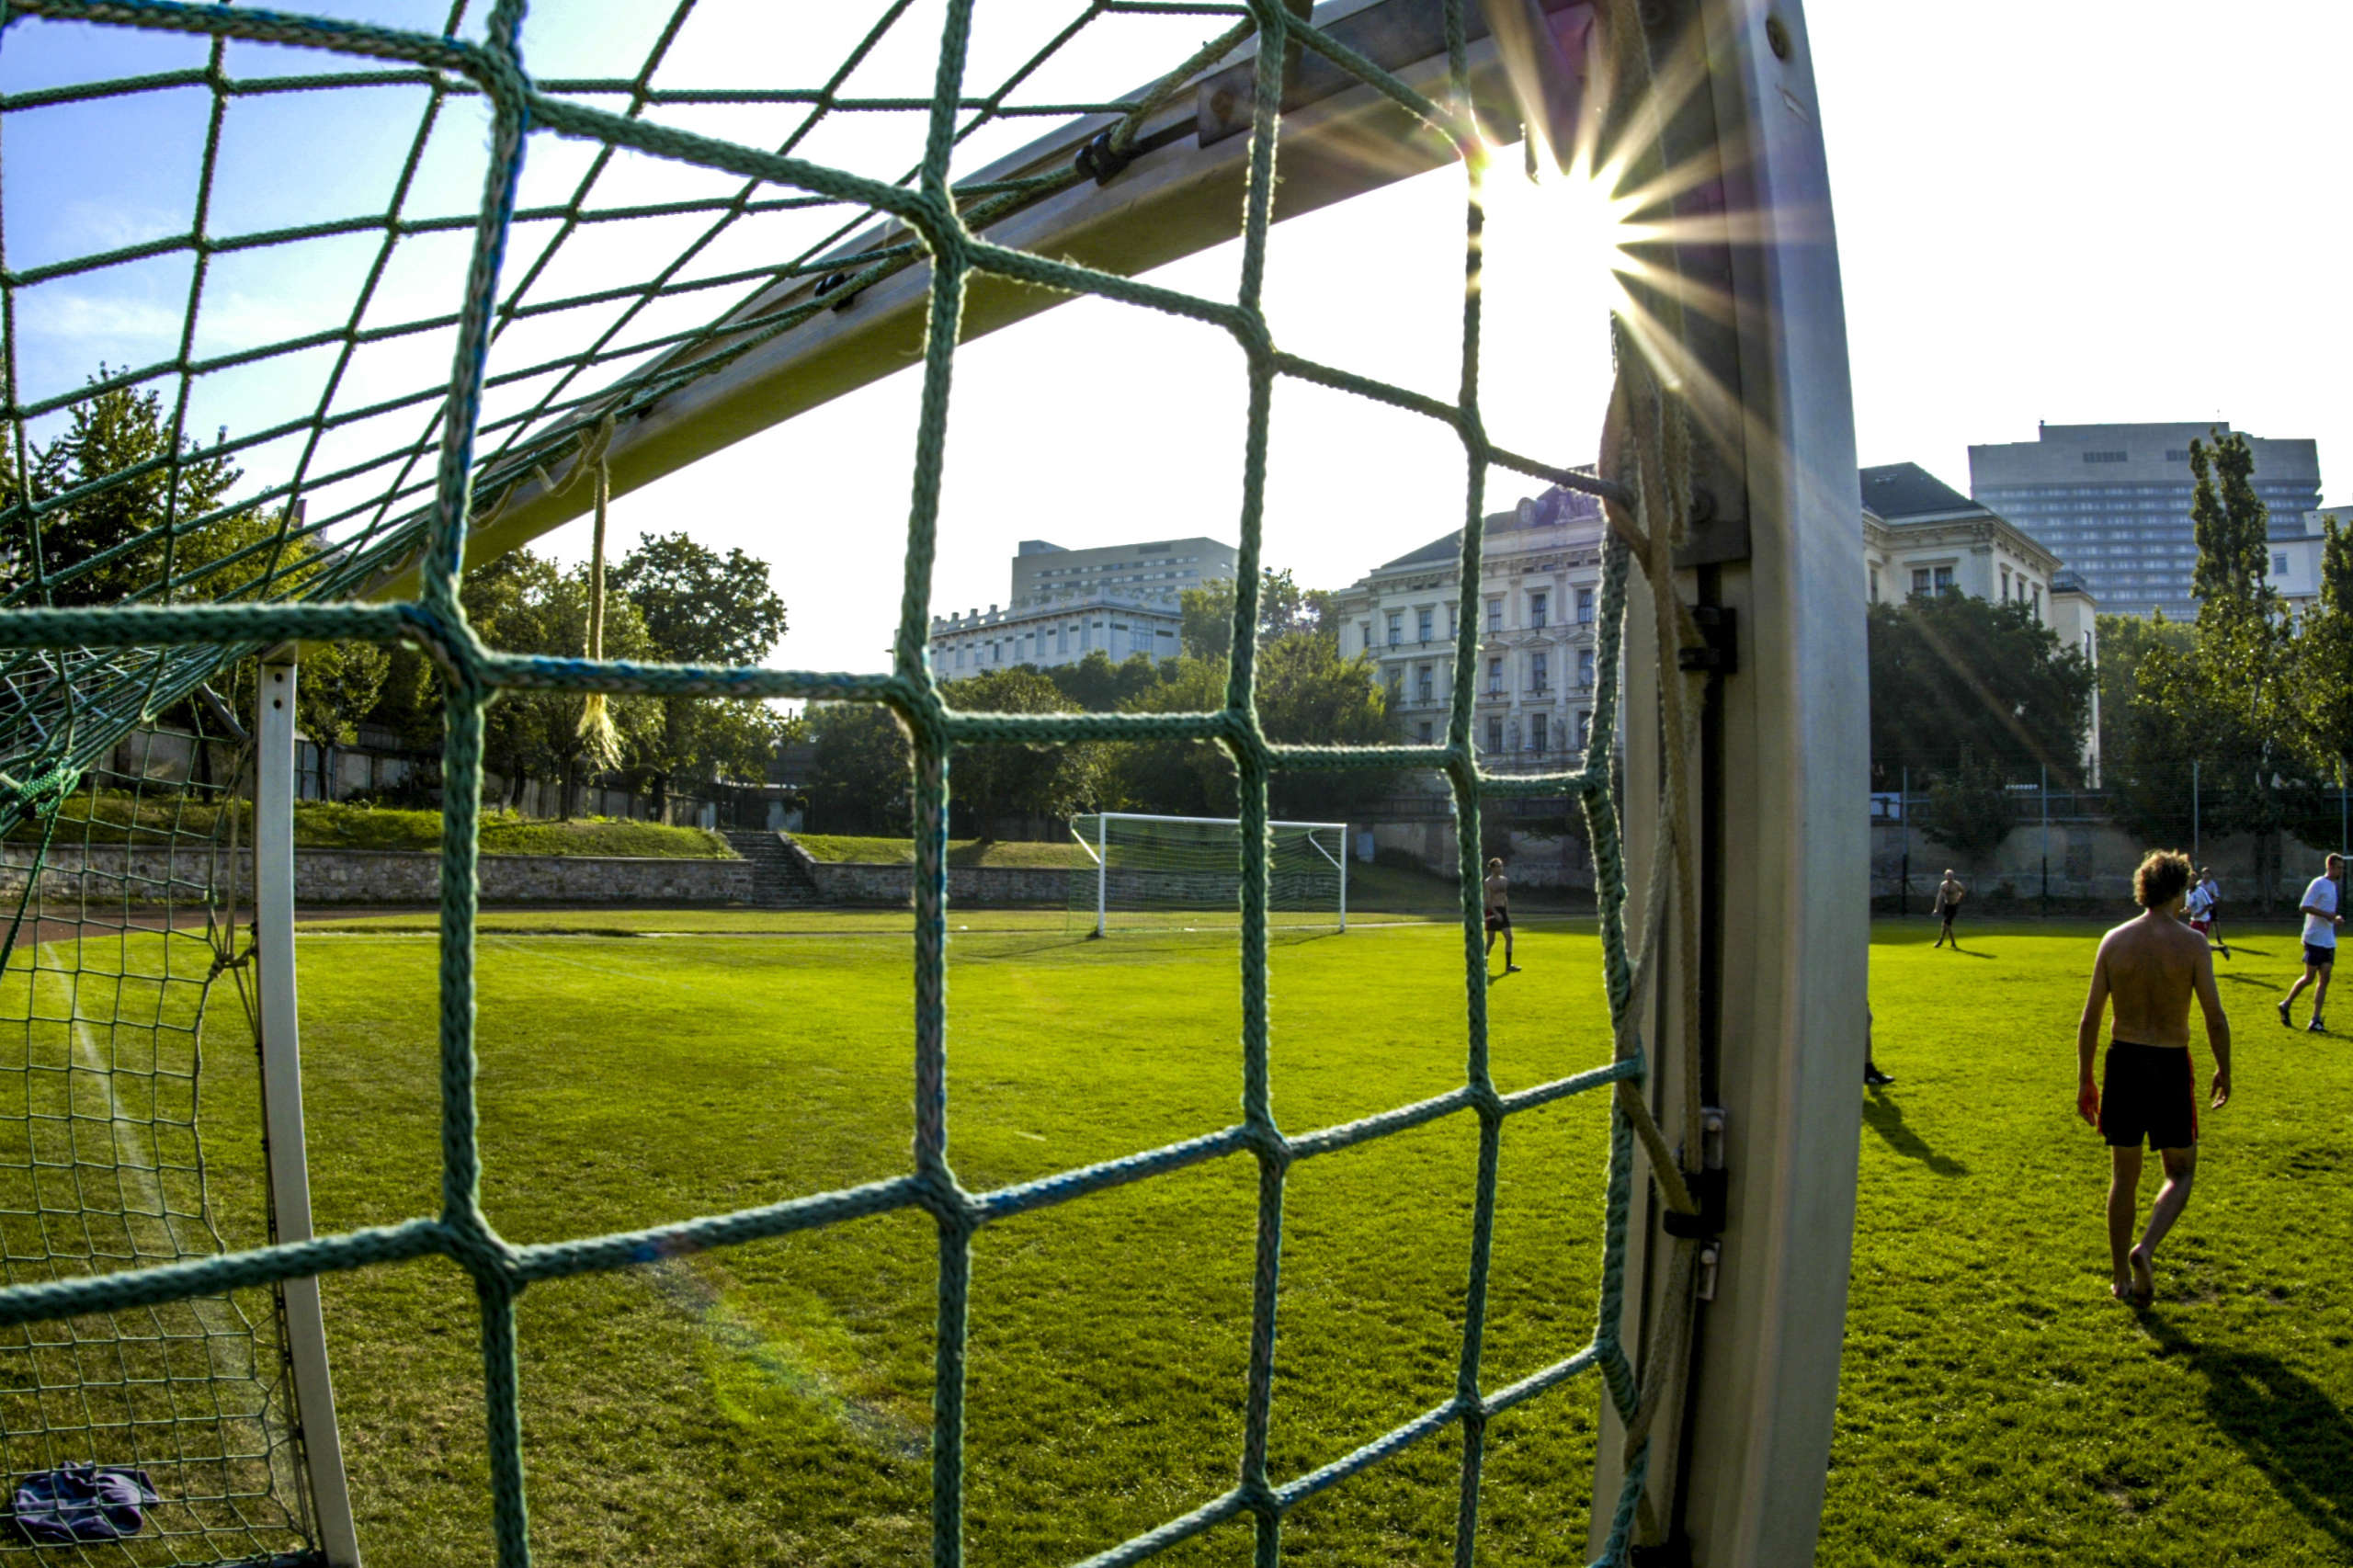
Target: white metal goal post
(1213,837)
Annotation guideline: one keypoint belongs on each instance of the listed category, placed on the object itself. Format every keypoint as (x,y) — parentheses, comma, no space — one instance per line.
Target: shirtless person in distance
(1497,892)
(1949,892)
(2147,968)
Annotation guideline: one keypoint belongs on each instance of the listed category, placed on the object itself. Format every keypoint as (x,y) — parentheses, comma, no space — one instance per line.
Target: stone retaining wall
(388,876)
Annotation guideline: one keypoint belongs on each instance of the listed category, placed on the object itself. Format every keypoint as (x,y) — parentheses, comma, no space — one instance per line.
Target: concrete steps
(781,878)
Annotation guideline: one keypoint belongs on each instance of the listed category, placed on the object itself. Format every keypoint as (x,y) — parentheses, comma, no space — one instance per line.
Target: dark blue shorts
(2319,957)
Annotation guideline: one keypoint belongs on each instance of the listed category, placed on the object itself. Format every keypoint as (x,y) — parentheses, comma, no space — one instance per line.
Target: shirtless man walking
(2147,968)
(1499,899)
(1949,892)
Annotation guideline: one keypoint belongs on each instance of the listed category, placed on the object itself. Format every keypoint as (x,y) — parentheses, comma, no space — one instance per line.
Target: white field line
(225,1332)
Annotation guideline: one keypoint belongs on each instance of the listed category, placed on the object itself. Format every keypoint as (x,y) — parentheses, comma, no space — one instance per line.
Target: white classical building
(1540,587)
(1921,536)
(1539,596)
(2296,544)
(1120,598)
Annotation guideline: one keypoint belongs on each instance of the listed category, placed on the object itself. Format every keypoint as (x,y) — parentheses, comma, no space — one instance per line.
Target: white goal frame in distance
(1786,918)
(1096,852)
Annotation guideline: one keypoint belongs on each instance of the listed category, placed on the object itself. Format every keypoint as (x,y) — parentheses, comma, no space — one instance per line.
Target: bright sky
(2047,210)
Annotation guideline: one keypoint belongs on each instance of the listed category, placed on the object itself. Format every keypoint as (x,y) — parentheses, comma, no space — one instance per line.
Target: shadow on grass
(2283,1421)
(1886,1119)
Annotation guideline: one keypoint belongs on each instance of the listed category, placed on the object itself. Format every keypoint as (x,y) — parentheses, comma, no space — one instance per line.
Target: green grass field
(769,1403)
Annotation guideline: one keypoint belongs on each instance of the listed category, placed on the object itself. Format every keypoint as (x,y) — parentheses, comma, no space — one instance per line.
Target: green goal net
(122,937)
(477,385)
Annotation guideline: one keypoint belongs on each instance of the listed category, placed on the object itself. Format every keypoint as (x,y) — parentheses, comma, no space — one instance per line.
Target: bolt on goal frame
(1729,469)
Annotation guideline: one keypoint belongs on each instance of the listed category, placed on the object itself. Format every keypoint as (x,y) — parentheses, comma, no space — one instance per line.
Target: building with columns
(1537,601)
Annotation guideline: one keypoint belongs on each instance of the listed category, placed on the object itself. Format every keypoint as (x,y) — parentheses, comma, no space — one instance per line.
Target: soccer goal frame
(1099,853)
(1733,1127)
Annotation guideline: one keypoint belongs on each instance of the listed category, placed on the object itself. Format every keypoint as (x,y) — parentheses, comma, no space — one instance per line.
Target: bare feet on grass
(2144,1282)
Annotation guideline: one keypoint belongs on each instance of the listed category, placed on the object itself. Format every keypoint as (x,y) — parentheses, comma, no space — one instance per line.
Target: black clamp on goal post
(1720,655)
(1099,161)
(1707,1186)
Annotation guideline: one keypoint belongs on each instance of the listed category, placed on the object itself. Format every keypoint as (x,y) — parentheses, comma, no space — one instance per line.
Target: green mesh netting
(368,488)
(122,927)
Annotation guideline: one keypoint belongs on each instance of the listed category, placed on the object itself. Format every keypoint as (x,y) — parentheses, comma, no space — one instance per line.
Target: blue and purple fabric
(80,1501)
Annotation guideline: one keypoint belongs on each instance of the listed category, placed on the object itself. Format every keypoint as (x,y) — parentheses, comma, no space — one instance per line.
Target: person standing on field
(2321,920)
(1498,900)
(1949,892)
(2147,970)
(2213,904)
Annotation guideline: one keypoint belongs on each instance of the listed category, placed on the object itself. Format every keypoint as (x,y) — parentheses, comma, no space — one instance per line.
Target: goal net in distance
(1145,872)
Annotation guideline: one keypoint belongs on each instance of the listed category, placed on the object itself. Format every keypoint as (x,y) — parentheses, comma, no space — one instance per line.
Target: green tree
(1955,679)
(1283,608)
(861,778)
(1307,695)
(2230,699)
(2324,658)
(1098,686)
(1190,778)
(1017,778)
(701,608)
(110,544)
(1968,809)
(2144,757)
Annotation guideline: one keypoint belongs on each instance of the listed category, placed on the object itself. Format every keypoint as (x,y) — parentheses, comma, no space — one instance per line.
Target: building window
(1536,604)
(1428,733)
(1496,613)
(2037,601)
(2279,566)
(1944,580)
(1919,579)
(1538,740)
(1494,678)
(1584,606)
(959,656)
(1539,676)
(2111,457)
(1396,627)
(1396,688)
(1584,730)
(1450,627)
(1874,585)
(2005,584)
(1365,627)
(1422,623)
(1494,732)
(1422,682)
(1585,666)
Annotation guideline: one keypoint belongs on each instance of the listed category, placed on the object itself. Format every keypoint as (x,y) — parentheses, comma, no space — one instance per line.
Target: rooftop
(1897,491)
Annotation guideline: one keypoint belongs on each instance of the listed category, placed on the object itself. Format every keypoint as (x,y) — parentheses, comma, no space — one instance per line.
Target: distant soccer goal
(1148,872)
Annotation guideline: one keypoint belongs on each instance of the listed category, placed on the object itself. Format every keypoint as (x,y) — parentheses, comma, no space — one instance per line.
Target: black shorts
(1498,920)
(2319,957)
(1947,911)
(2148,1093)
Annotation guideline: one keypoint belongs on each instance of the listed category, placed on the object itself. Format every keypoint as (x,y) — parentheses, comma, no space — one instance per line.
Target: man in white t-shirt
(2321,921)
(2211,904)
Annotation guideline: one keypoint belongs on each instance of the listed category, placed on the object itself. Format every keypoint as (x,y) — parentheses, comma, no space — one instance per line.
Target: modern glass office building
(2113,501)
